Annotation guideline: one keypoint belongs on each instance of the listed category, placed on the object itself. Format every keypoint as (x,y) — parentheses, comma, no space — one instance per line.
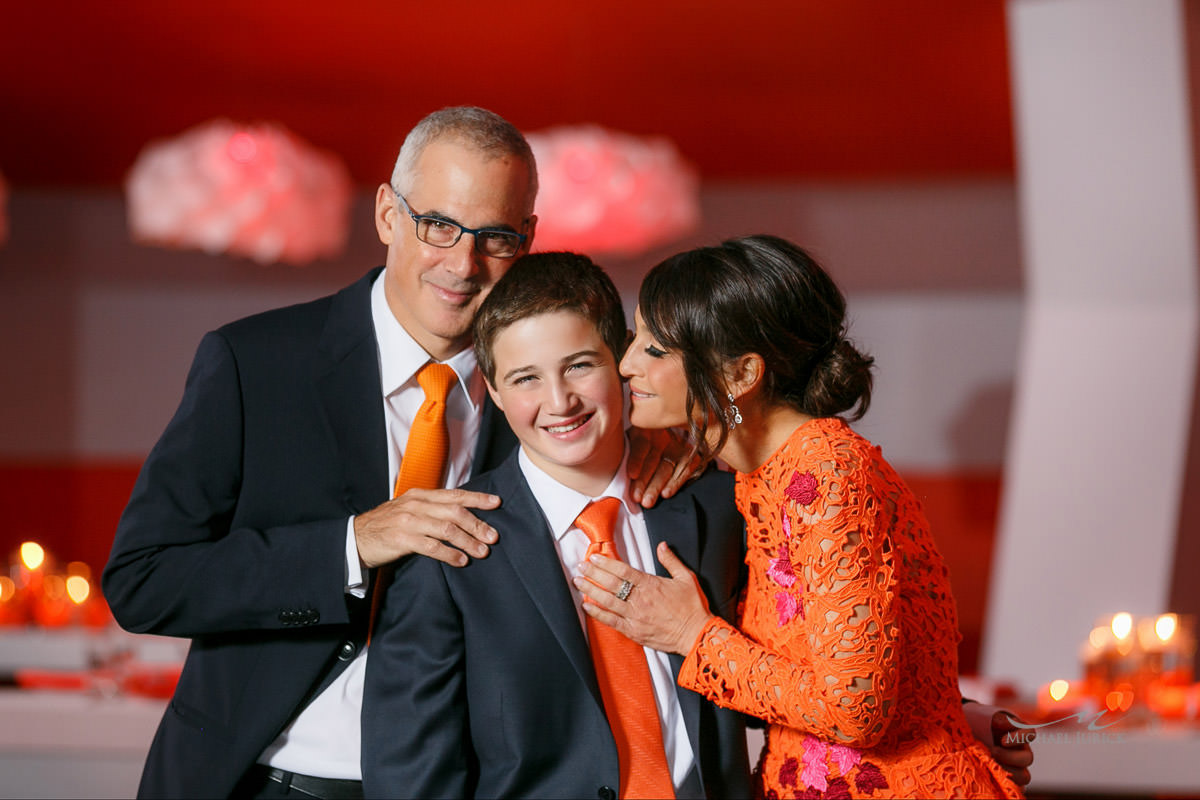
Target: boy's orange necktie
(624,679)
(424,463)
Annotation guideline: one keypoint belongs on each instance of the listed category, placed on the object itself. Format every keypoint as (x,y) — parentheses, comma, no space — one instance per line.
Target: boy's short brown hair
(541,283)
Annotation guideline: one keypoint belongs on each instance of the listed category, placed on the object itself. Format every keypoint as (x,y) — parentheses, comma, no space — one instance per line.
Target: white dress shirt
(325,738)
(561,505)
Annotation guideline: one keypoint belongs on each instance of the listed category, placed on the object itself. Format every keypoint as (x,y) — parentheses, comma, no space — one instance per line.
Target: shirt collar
(562,504)
(400,356)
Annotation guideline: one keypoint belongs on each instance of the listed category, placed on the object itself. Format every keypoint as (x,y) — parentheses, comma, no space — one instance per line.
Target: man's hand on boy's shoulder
(429,522)
(660,463)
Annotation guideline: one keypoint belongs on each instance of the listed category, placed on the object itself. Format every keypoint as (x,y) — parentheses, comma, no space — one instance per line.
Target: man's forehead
(450,173)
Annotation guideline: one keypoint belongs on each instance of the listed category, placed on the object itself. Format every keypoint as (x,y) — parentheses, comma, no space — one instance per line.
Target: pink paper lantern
(256,191)
(607,192)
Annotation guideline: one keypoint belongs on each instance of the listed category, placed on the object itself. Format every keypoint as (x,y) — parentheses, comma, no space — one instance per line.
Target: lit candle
(1119,698)
(52,607)
(31,561)
(33,556)
(1122,628)
(12,611)
(1058,699)
(1172,702)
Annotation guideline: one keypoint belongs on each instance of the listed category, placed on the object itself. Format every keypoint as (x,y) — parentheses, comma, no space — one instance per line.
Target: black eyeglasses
(441,232)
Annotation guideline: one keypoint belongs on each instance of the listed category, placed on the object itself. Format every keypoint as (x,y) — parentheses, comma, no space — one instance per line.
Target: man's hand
(660,463)
(428,522)
(1008,744)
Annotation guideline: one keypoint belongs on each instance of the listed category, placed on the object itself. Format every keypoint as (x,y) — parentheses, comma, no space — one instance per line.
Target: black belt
(325,788)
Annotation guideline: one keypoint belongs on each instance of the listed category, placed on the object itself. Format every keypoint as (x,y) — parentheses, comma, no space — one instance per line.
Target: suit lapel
(496,439)
(346,372)
(674,521)
(527,544)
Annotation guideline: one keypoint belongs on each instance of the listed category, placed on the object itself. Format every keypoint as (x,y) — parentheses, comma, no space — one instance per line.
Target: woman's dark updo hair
(764,295)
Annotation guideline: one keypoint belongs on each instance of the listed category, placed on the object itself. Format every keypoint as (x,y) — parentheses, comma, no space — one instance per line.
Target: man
(481,683)
(258,516)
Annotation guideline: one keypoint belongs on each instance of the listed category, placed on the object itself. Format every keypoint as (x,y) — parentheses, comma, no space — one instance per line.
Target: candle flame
(32,555)
(1058,689)
(1099,637)
(78,589)
(1122,625)
(1120,698)
(54,587)
(1165,625)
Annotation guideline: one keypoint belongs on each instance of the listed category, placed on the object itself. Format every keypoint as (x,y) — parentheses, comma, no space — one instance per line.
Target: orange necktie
(424,461)
(624,679)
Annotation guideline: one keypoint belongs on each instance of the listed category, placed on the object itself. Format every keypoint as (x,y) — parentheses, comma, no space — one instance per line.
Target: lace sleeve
(830,668)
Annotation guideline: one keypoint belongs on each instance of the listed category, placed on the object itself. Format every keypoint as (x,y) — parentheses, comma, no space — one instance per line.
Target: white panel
(1092,484)
(1094,470)
(135,345)
(1104,146)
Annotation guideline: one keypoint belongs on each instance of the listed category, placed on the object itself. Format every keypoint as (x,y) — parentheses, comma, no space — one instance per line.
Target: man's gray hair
(483,130)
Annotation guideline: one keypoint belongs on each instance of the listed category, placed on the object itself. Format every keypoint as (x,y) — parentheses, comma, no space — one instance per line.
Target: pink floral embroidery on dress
(787,607)
(846,758)
(780,569)
(815,769)
(802,488)
(787,522)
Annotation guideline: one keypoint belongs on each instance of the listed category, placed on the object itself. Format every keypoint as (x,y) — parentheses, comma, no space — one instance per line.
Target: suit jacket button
(606,793)
(347,651)
(312,616)
(286,617)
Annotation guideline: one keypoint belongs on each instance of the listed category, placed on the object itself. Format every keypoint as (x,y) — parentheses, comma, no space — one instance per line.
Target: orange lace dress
(848,643)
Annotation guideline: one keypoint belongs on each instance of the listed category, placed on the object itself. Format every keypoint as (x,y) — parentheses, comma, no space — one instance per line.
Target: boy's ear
(494,394)
(744,373)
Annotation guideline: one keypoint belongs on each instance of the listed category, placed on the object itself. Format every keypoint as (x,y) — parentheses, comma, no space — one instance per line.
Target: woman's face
(657,384)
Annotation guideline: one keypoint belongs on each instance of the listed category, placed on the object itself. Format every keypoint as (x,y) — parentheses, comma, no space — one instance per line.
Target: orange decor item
(624,679)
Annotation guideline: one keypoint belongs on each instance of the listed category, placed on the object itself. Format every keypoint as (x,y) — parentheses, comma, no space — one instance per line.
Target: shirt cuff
(356,577)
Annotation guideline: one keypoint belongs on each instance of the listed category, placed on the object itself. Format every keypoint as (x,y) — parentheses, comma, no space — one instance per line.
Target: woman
(848,637)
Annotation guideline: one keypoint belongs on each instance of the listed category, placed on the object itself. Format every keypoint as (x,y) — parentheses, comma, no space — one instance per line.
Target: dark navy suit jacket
(235,532)
(480,683)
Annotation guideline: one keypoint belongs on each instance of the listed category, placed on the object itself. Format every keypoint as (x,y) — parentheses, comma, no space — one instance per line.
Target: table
(73,744)
(1160,759)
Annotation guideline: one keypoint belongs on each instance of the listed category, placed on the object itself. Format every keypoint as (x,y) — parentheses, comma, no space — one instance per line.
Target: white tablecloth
(1159,760)
(66,744)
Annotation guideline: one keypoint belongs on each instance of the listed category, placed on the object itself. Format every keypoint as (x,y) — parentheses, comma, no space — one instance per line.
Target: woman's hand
(666,614)
(660,462)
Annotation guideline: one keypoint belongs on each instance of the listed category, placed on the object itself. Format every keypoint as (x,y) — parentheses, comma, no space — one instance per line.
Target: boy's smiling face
(557,384)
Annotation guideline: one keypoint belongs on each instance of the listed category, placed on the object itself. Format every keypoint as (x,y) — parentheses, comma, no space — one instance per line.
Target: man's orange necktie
(624,679)
(424,463)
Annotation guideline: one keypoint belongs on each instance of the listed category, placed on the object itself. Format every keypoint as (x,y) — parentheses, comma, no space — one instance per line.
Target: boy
(481,681)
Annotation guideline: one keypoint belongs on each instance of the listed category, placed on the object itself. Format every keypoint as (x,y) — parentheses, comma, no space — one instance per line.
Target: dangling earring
(733,417)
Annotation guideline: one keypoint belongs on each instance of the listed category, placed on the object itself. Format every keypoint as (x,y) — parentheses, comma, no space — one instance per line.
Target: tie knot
(436,380)
(599,519)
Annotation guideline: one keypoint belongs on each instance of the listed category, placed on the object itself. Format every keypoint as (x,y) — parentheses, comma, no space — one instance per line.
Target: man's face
(435,291)
(558,386)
